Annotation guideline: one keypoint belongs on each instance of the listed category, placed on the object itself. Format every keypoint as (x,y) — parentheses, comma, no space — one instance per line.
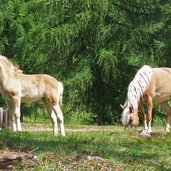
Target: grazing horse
(17,87)
(151,86)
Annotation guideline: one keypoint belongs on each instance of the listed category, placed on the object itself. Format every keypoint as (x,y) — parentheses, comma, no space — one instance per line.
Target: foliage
(93,47)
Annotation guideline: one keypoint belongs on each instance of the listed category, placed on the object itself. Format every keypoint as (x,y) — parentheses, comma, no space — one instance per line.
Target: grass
(113,149)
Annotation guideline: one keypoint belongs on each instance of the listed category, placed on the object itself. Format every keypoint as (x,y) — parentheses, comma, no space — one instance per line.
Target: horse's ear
(122,106)
(131,109)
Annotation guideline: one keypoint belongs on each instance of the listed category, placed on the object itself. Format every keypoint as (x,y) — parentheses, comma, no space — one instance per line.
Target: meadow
(84,148)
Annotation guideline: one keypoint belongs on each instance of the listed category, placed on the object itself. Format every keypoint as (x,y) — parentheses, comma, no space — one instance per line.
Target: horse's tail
(61,89)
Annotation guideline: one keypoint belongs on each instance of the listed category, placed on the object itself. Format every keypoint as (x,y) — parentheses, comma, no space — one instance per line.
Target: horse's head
(129,116)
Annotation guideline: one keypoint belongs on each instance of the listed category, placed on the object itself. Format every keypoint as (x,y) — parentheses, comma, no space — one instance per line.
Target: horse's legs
(14,114)
(15,110)
(12,119)
(60,118)
(18,115)
(167,109)
(53,117)
(12,123)
(143,116)
(54,122)
(149,112)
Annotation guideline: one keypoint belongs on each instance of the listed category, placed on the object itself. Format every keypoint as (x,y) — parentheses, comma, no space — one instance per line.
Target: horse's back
(38,80)
(162,74)
(37,86)
(162,80)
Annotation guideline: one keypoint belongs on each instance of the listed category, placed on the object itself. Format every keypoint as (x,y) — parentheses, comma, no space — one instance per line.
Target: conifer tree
(94,47)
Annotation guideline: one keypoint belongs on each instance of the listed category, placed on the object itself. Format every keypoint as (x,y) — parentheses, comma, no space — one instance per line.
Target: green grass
(113,149)
(74,118)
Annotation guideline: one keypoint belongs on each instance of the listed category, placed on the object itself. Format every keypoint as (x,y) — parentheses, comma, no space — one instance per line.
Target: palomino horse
(150,85)
(17,87)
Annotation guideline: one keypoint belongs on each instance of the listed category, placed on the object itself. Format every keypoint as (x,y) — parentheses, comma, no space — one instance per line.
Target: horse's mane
(138,85)
(10,65)
(17,69)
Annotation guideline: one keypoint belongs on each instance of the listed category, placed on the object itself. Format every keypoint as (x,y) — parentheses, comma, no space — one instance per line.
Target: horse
(17,87)
(150,86)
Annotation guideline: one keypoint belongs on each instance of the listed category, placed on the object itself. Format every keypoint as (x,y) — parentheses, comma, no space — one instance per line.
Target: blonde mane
(6,61)
(138,86)
(10,65)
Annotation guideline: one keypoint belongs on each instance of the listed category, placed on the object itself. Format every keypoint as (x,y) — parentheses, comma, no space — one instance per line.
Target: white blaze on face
(125,116)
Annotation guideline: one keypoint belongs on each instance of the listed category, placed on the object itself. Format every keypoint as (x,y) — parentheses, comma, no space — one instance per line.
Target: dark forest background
(94,47)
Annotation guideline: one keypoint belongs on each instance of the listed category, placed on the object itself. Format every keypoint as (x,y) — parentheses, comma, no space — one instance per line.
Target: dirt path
(83,128)
(45,127)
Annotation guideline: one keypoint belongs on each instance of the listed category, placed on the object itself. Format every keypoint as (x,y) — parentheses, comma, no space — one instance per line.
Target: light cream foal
(17,87)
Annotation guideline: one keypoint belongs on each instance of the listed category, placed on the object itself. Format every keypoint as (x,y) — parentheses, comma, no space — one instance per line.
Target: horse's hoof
(167,130)
(145,133)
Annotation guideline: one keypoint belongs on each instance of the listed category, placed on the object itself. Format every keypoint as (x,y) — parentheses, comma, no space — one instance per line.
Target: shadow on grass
(127,149)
